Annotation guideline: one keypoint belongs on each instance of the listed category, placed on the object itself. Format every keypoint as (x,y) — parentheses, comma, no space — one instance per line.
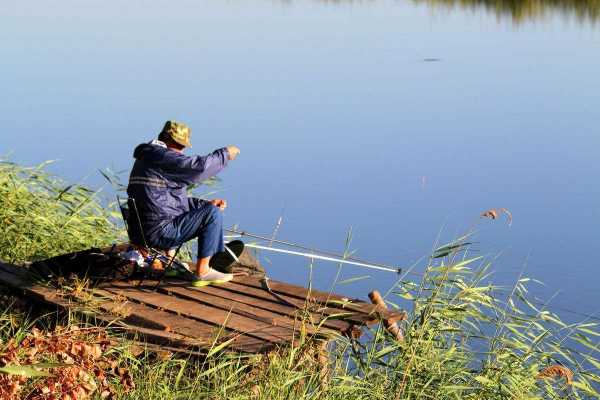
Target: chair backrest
(132,221)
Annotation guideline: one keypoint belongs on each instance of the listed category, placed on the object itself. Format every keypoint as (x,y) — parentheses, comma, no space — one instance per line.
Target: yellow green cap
(180,133)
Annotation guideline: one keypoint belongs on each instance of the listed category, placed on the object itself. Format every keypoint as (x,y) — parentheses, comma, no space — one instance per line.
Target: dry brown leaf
(494,213)
(84,348)
(557,371)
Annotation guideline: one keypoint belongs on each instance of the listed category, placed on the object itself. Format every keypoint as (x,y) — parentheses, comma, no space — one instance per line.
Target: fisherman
(158,184)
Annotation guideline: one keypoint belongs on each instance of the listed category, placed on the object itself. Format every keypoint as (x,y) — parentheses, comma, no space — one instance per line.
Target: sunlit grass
(42,216)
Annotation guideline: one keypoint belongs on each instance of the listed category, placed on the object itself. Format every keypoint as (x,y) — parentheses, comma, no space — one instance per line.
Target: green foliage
(467,339)
(41,216)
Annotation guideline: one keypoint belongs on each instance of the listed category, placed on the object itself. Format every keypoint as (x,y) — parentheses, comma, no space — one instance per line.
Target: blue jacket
(159,180)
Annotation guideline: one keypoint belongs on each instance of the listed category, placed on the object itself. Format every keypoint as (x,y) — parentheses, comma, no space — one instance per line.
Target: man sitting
(158,184)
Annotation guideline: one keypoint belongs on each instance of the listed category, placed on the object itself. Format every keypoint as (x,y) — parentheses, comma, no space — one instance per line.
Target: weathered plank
(307,302)
(134,325)
(201,312)
(250,311)
(224,296)
(254,317)
(266,301)
(205,335)
(341,319)
(17,278)
(370,313)
(331,314)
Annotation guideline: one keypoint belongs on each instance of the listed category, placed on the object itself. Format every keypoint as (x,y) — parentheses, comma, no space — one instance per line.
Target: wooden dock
(249,314)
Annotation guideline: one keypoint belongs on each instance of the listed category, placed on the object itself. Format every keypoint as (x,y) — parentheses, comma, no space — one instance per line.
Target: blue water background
(340,121)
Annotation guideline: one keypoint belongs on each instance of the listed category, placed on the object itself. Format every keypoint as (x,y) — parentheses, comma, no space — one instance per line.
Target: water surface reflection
(525,10)
(518,10)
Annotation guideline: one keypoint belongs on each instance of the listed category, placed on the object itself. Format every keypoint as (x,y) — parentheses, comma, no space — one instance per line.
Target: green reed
(468,339)
(42,216)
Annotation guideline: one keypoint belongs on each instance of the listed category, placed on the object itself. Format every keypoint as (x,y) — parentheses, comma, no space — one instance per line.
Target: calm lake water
(401,119)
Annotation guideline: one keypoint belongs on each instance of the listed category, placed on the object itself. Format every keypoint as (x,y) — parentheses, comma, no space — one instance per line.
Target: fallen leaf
(494,213)
(557,371)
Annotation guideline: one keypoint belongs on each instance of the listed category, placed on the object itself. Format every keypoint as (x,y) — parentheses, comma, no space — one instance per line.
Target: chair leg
(142,278)
(169,265)
(154,255)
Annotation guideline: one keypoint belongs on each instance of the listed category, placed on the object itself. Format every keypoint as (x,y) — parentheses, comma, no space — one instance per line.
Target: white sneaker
(212,277)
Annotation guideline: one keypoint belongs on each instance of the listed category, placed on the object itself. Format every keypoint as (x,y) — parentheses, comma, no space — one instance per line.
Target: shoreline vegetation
(464,337)
(519,11)
(526,10)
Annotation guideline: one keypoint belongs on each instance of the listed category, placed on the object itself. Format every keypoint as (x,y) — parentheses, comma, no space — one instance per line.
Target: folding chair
(135,232)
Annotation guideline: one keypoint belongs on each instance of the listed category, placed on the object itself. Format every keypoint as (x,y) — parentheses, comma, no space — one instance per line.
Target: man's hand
(222,204)
(233,152)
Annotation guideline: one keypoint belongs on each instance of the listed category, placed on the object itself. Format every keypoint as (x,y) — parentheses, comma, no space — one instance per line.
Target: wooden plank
(201,312)
(14,276)
(241,344)
(250,311)
(154,335)
(262,318)
(372,312)
(332,314)
(242,295)
(206,335)
(262,299)
(17,278)
(141,315)
(165,328)
(293,290)
(336,318)
(342,320)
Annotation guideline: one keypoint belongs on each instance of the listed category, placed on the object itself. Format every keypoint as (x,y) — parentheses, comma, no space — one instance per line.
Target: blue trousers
(204,222)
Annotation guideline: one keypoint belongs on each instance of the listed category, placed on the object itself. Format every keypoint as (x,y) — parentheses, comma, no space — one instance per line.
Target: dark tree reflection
(518,10)
(524,10)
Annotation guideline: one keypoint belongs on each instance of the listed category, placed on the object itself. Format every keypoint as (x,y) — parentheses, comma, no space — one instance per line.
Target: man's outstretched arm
(195,169)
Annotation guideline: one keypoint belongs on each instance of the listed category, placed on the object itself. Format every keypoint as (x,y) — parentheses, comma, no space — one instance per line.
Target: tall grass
(464,337)
(42,216)
(467,339)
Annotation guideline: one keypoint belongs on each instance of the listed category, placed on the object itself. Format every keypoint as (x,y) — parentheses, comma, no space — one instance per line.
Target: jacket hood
(150,151)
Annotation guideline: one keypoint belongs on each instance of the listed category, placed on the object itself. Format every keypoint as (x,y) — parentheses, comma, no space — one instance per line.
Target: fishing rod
(313,253)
